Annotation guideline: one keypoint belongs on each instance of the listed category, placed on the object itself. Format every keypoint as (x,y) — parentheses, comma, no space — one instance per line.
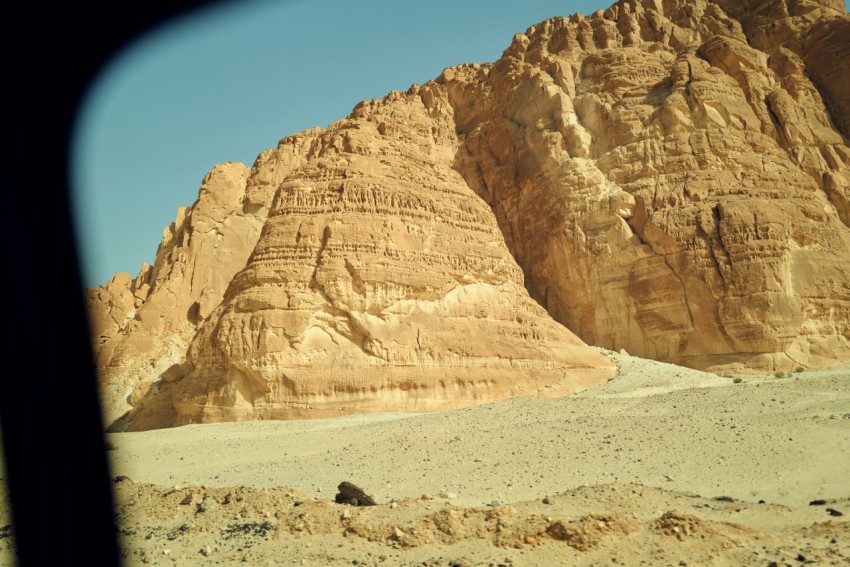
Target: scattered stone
(834,512)
(249,528)
(122,478)
(186,499)
(817,502)
(352,495)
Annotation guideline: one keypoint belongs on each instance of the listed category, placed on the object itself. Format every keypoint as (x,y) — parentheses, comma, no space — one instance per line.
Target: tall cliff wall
(667,177)
(672,180)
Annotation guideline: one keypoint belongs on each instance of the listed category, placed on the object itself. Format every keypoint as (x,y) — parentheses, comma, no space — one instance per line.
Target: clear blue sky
(229,81)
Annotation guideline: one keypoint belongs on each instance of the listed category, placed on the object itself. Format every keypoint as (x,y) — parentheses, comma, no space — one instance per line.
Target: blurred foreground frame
(53,435)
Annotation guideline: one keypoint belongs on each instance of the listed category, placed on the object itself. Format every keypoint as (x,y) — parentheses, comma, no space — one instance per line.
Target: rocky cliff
(666,177)
(672,180)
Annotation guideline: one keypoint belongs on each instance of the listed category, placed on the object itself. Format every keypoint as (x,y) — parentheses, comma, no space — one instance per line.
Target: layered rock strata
(672,180)
(142,326)
(665,177)
(379,282)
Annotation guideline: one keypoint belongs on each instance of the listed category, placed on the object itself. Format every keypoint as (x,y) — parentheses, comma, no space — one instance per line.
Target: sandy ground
(660,466)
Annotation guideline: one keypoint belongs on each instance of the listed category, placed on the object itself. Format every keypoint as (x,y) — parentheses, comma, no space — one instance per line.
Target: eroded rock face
(380,282)
(142,327)
(671,179)
(666,177)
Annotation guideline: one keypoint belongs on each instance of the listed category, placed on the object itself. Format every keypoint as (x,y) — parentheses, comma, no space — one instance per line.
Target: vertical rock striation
(672,180)
(379,282)
(667,177)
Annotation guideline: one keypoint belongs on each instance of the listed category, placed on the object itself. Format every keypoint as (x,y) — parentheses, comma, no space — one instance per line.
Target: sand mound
(195,525)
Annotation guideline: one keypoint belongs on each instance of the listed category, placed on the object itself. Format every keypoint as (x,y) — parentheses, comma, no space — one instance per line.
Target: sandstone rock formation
(380,281)
(141,327)
(667,177)
(672,180)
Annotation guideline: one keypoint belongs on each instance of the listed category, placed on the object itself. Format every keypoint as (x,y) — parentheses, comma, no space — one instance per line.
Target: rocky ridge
(669,178)
(194,525)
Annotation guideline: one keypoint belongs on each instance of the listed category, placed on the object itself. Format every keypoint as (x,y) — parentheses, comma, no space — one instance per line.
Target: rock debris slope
(670,178)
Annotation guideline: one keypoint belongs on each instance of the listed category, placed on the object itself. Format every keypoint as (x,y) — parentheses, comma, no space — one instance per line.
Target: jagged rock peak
(671,178)
(380,281)
(668,179)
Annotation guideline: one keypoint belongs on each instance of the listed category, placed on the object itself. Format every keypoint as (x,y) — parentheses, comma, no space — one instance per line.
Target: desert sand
(662,465)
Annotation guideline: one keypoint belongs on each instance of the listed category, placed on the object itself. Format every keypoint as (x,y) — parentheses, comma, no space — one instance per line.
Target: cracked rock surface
(669,178)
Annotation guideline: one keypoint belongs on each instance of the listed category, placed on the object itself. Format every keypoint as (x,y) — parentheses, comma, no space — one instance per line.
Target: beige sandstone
(141,327)
(380,282)
(665,177)
(673,181)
